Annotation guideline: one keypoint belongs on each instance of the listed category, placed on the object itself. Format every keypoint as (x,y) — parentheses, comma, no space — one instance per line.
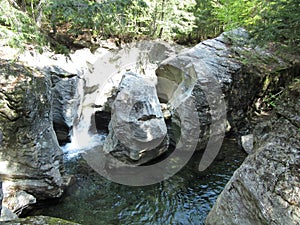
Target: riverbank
(265,189)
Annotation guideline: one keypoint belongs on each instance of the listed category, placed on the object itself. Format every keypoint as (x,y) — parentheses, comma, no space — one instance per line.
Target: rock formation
(137,130)
(66,99)
(31,167)
(265,189)
(219,73)
(222,77)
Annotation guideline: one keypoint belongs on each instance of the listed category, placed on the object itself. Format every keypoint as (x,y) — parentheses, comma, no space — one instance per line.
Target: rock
(66,99)
(197,73)
(137,131)
(216,72)
(7,214)
(39,220)
(166,111)
(31,166)
(66,74)
(265,189)
(247,143)
(19,200)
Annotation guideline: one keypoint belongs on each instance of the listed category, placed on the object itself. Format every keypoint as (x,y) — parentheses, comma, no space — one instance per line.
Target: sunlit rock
(31,165)
(137,131)
(265,189)
(247,143)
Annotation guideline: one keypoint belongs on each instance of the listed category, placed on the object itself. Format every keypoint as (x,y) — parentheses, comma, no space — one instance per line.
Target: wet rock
(265,189)
(39,220)
(137,131)
(66,100)
(31,165)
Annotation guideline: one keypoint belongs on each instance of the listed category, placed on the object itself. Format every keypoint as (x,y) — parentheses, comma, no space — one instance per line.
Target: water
(186,198)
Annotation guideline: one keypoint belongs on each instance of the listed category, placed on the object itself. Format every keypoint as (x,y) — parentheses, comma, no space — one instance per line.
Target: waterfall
(104,75)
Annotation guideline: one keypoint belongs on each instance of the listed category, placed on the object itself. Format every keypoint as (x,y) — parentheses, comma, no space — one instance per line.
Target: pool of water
(185,198)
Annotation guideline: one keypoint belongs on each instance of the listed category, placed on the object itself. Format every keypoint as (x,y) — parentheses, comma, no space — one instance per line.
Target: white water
(105,74)
(77,147)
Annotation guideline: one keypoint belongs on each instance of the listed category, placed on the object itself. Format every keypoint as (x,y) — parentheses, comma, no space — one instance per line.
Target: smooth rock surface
(214,71)
(266,188)
(137,131)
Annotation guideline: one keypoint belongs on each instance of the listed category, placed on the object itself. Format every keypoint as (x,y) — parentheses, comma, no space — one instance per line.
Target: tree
(18,27)
(267,20)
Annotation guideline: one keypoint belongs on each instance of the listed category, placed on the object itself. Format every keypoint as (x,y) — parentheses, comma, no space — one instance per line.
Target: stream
(185,198)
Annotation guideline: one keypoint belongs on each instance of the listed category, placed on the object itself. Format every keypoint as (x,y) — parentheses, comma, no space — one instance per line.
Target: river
(185,198)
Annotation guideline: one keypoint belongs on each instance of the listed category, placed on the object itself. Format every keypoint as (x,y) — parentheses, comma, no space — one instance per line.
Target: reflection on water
(186,198)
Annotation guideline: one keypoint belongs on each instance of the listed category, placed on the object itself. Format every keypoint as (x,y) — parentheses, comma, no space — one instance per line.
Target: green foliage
(123,18)
(207,25)
(28,21)
(280,22)
(267,20)
(233,13)
(171,19)
(18,28)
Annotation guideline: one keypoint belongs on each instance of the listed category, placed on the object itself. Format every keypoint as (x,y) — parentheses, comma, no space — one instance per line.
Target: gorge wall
(265,189)
(31,166)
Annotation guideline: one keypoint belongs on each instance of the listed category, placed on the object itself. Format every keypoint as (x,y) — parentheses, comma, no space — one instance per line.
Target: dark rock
(66,99)
(102,119)
(30,158)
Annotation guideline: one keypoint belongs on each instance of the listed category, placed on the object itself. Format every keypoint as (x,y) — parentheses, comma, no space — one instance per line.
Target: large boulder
(31,166)
(265,189)
(225,70)
(137,130)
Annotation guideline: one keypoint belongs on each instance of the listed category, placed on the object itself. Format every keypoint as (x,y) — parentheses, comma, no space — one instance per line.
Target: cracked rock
(137,131)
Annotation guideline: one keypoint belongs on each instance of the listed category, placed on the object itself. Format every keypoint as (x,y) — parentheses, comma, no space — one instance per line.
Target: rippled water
(186,198)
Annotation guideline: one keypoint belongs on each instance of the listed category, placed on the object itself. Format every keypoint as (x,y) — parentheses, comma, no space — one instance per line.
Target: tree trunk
(162,18)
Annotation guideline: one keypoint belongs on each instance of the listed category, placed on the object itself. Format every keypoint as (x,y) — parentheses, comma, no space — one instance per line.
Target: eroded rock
(265,189)
(66,99)
(213,72)
(31,165)
(137,131)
